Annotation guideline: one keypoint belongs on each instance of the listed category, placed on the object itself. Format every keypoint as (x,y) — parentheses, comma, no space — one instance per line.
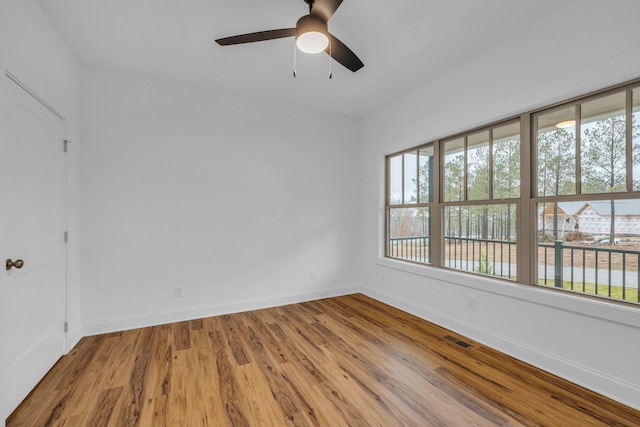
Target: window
(480,187)
(588,166)
(566,215)
(409,200)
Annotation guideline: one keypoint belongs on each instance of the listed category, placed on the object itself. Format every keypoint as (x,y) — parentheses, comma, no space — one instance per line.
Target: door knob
(17,264)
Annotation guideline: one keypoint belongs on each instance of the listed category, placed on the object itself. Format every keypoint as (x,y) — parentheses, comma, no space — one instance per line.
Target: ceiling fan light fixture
(311,34)
(312,42)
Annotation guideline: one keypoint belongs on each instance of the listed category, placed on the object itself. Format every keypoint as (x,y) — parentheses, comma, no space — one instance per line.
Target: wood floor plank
(182,331)
(179,406)
(158,377)
(344,361)
(207,372)
(307,343)
(257,391)
(321,411)
(133,403)
(234,341)
(103,407)
(284,396)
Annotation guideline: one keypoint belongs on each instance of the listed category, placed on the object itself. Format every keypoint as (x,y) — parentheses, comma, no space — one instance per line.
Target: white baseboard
(614,388)
(159,318)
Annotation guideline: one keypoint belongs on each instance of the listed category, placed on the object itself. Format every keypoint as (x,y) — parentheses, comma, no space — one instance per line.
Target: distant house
(592,217)
(595,217)
(567,217)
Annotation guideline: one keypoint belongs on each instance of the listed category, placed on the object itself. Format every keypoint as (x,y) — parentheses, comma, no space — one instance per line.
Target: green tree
(556,167)
(506,177)
(603,159)
(454,190)
(604,156)
(506,169)
(425,184)
(556,163)
(484,266)
(425,187)
(454,178)
(478,173)
(478,181)
(425,191)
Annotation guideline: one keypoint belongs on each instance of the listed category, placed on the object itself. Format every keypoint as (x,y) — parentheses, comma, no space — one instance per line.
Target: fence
(410,248)
(486,256)
(492,257)
(605,271)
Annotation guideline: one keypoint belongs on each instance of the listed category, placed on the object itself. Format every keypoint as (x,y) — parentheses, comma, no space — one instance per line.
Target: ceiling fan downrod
(310,3)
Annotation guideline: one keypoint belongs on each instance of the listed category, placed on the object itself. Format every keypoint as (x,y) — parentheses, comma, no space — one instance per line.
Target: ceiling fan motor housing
(311,23)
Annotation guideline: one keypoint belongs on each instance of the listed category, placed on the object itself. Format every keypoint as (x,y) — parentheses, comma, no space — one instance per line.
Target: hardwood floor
(346,361)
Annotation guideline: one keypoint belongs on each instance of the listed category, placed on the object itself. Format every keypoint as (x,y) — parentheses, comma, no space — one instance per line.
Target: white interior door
(32,224)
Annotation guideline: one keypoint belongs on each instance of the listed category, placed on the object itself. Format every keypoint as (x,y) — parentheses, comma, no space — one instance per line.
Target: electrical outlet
(177,291)
(471,302)
(312,276)
(384,278)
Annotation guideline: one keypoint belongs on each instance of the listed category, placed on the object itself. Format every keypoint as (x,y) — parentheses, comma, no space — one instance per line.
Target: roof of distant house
(623,207)
(603,207)
(571,208)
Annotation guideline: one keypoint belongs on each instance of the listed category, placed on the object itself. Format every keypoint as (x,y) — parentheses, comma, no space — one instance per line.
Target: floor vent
(456,341)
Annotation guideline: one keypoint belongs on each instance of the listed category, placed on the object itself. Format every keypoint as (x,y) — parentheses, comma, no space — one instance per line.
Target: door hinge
(66,327)
(66,236)
(66,145)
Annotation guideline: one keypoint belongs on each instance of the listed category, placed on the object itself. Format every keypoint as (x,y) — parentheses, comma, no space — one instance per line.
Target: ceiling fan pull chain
(294,59)
(330,60)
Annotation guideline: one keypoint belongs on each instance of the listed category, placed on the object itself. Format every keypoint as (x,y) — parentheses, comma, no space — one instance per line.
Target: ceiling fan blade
(324,8)
(341,53)
(257,37)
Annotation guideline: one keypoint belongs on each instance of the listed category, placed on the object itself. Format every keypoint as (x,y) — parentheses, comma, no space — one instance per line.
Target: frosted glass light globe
(312,42)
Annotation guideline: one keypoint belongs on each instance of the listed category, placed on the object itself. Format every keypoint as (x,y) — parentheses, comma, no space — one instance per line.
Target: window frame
(403,204)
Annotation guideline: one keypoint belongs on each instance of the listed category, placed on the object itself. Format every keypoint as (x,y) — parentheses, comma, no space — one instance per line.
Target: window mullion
(418,177)
(465,172)
(387,184)
(629,139)
(437,242)
(526,225)
(402,168)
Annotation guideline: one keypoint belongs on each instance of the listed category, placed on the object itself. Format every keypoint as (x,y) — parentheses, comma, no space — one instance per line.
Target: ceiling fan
(311,33)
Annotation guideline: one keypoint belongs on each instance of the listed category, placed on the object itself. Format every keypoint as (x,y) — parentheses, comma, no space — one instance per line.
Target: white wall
(585,46)
(234,200)
(31,50)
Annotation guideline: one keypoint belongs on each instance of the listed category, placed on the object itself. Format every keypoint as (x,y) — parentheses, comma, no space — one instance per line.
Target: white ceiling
(403,44)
